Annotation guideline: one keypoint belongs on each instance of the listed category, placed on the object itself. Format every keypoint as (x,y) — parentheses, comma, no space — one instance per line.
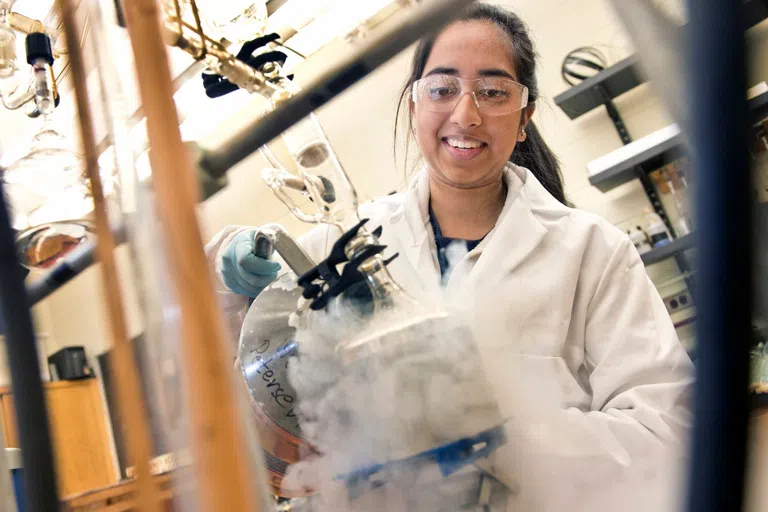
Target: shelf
(651,152)
(676,246)
(759,400)
(755,11)
(617,79)
(758,106)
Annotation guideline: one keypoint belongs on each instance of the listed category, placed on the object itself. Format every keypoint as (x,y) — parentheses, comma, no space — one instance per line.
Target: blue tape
(449,457)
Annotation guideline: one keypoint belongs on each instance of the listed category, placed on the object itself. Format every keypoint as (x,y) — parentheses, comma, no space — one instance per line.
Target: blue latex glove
(245,273)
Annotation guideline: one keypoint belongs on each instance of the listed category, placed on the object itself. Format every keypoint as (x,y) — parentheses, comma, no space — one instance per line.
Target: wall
(75,314)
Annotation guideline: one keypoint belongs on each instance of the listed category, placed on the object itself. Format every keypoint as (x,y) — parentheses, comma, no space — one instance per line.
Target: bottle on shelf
(640,240)
(672,186)
(674,176)
(656,230)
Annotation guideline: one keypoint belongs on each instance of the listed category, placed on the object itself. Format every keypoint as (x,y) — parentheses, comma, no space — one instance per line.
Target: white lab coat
(579,348)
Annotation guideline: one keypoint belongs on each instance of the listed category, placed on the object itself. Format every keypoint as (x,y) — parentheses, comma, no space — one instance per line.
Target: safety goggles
(495,96)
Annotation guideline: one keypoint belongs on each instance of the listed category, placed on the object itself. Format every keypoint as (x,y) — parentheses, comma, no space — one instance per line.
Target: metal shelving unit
(664,150)
(601,89)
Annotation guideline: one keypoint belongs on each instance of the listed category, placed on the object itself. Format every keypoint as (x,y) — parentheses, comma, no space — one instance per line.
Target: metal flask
(267,343)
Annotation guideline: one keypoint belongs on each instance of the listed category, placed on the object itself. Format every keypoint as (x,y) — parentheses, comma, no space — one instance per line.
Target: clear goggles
(495,96)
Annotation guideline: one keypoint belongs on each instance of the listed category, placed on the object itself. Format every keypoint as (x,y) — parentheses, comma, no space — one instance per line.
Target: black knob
(39,47)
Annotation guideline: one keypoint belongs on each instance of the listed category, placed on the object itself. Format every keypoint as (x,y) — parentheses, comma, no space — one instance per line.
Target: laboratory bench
(121,496)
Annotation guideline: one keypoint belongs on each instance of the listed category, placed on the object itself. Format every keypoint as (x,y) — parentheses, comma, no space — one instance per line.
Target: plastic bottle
(657,230)
(678,189)
(639,240)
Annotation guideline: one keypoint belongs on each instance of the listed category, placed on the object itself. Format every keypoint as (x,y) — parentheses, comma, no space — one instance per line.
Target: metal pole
(430,18)
(717,88)
(67,269)
(32,416)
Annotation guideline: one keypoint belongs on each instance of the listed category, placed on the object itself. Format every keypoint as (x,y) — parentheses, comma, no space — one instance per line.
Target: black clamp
(323,282)
(38,46)
(217,85)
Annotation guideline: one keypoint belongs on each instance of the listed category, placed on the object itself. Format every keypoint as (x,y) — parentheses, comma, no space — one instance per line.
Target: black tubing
(66,270)
(717,87)
(31,414)
(348,72)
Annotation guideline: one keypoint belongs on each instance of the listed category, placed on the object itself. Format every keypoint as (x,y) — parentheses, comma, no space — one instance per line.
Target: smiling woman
(488,42)
(577,344)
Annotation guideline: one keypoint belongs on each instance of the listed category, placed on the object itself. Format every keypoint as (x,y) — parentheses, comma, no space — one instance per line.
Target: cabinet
(79,434)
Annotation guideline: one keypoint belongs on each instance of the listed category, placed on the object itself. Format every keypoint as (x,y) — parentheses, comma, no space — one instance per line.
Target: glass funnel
(324,179)
(49,198)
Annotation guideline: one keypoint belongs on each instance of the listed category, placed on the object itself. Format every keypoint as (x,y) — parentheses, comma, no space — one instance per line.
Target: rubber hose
(67,269)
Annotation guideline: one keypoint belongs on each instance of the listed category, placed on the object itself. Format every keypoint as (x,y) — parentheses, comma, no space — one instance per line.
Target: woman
(562,304)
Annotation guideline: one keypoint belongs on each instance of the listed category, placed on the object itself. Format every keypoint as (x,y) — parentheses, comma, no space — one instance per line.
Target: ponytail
(534,154)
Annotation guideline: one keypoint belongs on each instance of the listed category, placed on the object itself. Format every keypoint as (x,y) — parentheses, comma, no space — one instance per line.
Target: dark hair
(533,153)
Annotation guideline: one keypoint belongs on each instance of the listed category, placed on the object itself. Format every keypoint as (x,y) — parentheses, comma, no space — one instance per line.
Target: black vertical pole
(717,88)
(31,415)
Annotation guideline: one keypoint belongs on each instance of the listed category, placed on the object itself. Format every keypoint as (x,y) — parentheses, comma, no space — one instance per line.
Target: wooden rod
(129,392)
(219,443)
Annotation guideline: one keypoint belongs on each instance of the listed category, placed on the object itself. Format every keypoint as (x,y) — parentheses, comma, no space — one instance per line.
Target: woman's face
(469,50)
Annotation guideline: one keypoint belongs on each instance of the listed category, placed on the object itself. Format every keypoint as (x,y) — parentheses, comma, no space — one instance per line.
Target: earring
(523,135)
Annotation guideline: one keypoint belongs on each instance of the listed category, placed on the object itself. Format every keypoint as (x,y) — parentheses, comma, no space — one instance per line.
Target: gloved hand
(245,273)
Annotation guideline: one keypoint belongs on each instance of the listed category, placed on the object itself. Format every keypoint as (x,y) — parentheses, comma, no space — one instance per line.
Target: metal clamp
(273,237)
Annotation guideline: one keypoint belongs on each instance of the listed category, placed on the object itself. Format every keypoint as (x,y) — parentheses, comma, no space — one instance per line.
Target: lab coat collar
(420,249)
(517,232)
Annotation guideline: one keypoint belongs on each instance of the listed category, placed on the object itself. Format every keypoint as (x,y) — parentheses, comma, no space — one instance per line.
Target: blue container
(17,475)
(13,457)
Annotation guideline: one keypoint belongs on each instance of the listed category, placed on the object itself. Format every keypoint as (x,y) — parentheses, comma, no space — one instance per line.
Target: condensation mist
(396,414)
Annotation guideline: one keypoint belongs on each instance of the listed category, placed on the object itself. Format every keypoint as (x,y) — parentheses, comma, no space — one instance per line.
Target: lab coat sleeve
(628,449)
(641,380)
(640,374)
(233,306)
